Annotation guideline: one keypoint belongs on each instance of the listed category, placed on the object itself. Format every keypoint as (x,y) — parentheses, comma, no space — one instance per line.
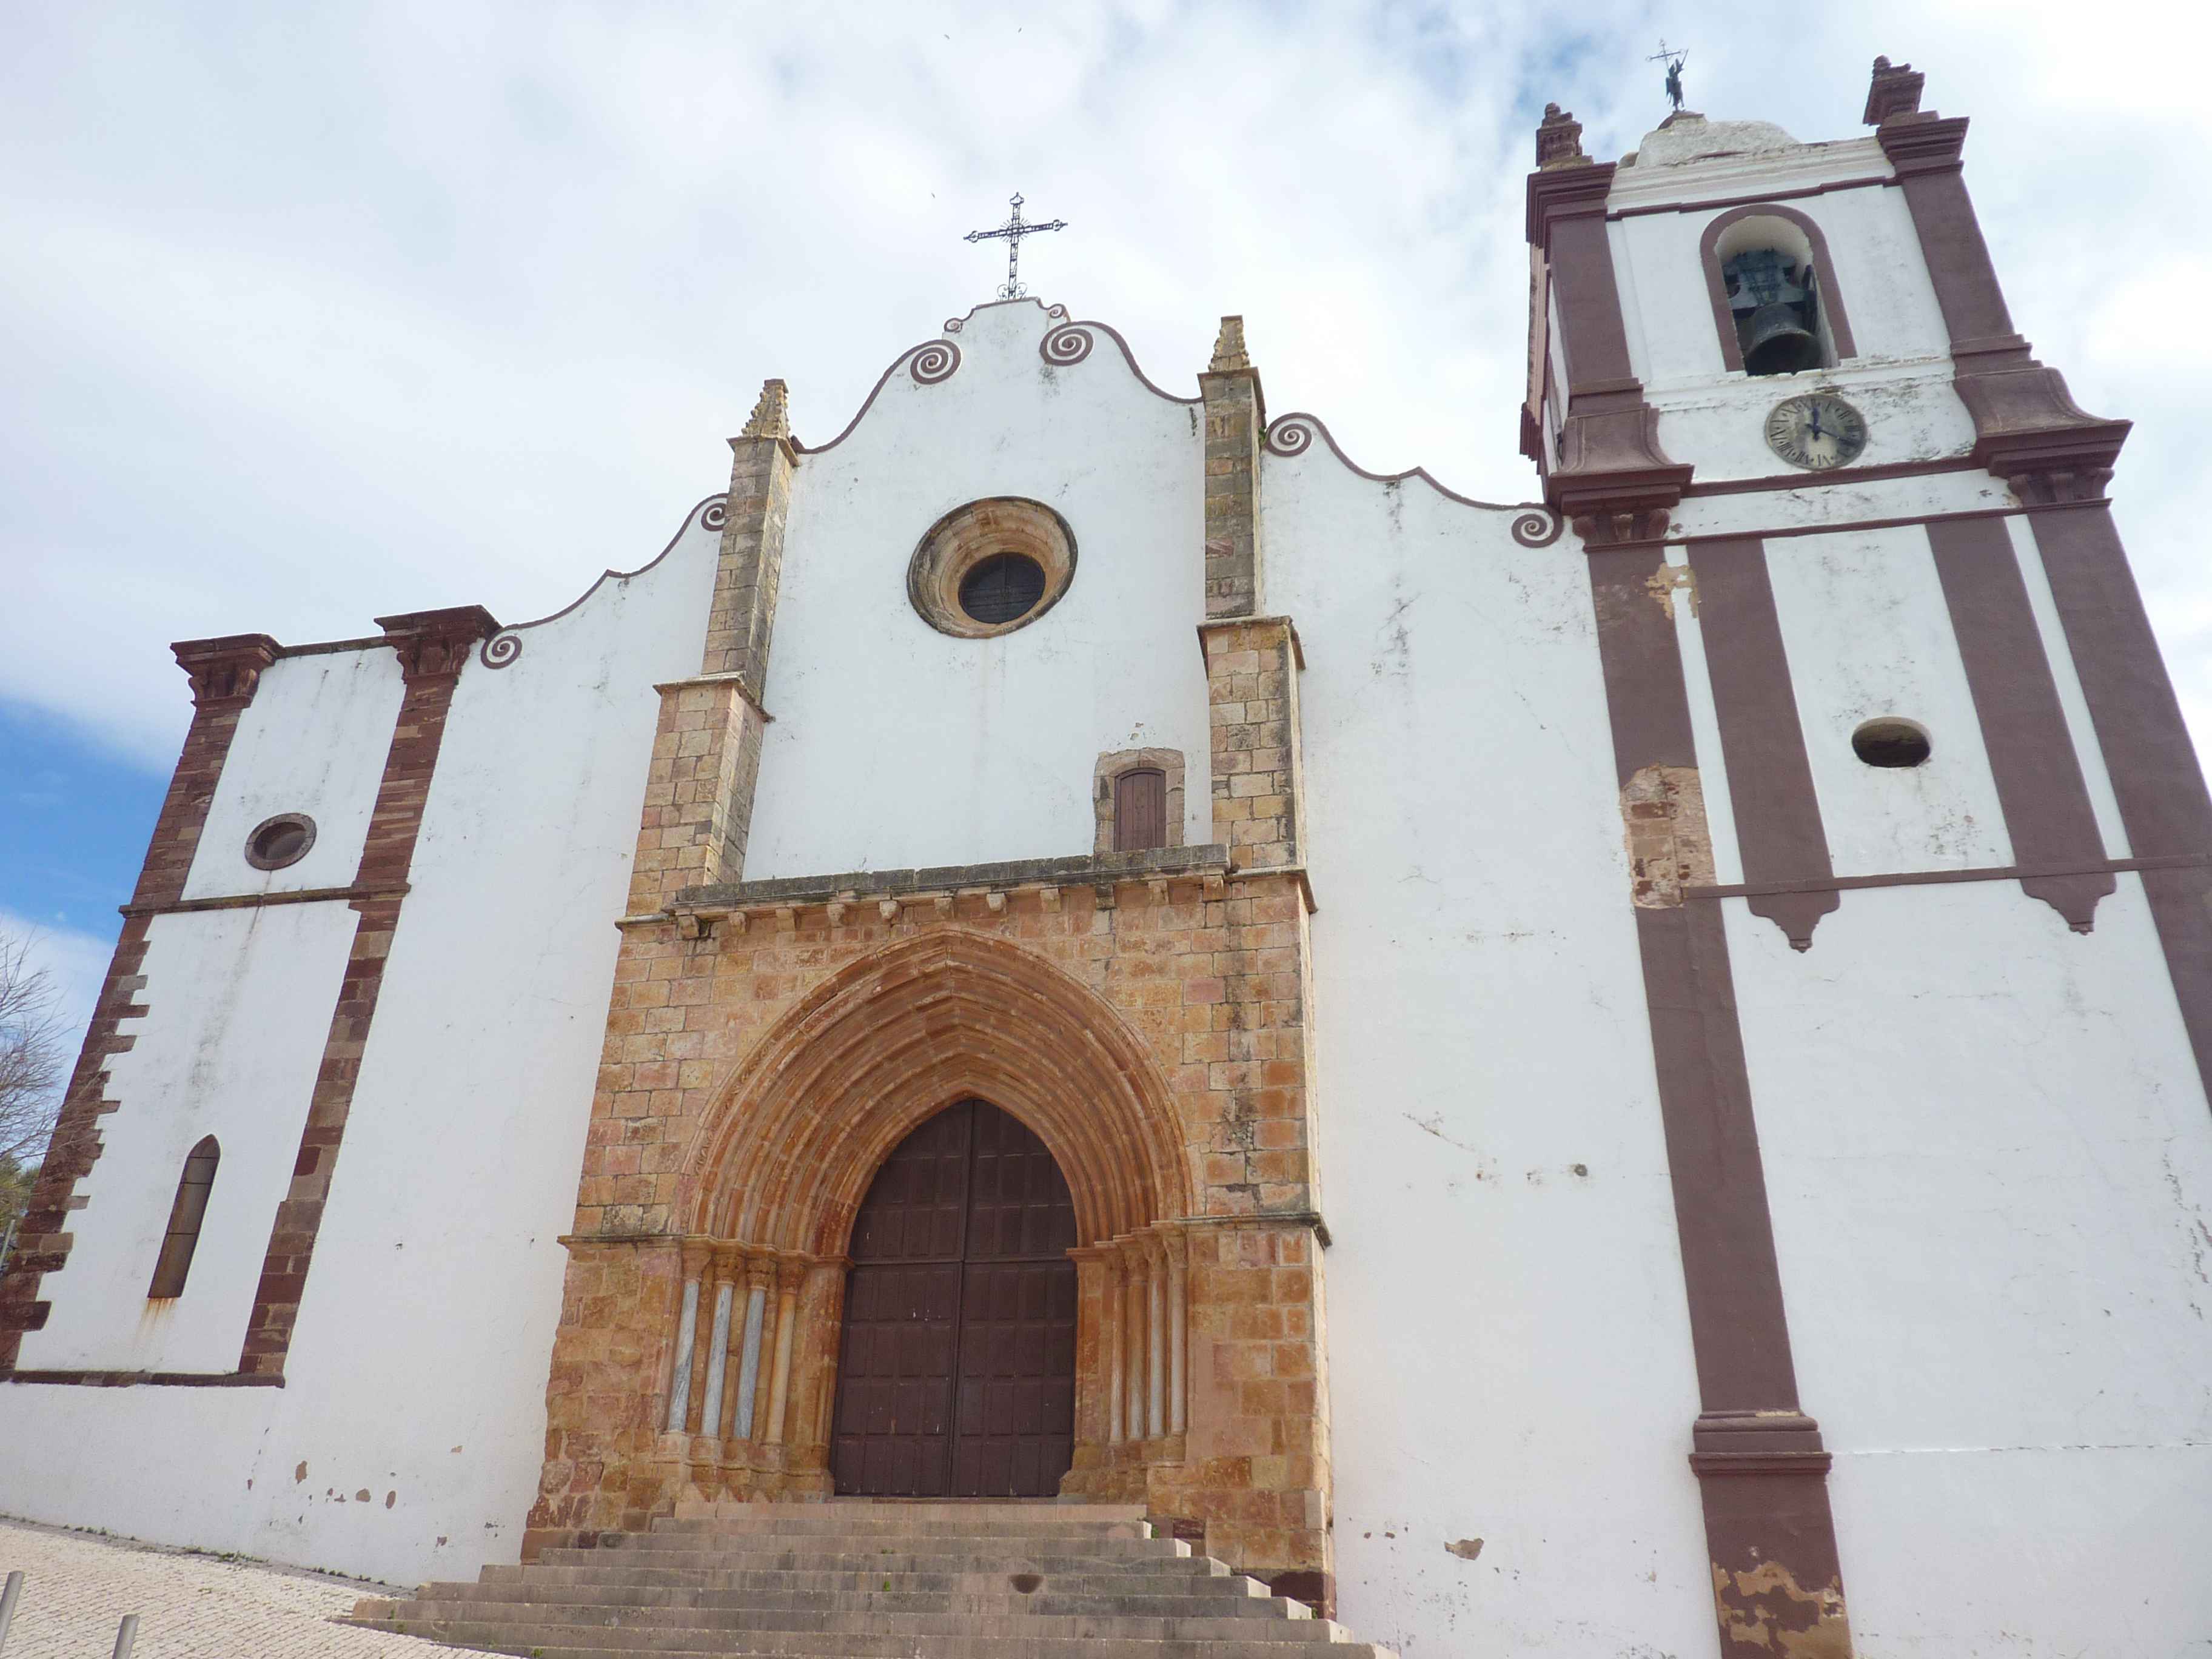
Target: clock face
(1816,431)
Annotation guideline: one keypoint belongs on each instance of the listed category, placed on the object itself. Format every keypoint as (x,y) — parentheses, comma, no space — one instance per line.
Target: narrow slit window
(1140,810)
(184,1217)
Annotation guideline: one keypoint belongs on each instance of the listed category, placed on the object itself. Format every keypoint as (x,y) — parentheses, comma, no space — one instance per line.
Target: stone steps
(1196,1574)
(1233,1604)
(872,1580)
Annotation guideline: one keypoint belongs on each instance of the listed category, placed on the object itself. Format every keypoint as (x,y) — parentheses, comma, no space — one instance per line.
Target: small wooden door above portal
(956,1374)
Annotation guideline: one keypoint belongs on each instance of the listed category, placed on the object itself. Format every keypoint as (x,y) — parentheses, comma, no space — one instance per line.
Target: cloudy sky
(314,313)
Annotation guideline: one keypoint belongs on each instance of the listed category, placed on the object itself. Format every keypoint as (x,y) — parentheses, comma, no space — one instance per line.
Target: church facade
(1623,1074)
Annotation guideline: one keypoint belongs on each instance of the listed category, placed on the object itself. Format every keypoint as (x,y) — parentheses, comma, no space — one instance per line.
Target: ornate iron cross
(1674,60)
(1012,231)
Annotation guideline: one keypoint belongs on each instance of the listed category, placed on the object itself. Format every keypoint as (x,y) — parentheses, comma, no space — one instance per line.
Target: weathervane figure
(1013,230)
(1674,60)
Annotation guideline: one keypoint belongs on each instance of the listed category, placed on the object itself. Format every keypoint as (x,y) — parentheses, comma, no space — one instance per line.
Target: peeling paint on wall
(1767,1608)
(1662,812)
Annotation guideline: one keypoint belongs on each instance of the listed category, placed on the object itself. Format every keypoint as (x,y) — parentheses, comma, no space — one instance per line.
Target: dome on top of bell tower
(1686,136)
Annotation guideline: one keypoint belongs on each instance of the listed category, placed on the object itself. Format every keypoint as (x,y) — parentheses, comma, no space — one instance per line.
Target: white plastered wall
(312,740)
(985,750)
(1868,636)
(1989,1165)
(1508,1354)
(417,1368)
(238,1005)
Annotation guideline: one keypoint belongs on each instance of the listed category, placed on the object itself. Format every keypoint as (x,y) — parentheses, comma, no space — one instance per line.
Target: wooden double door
(956,1374)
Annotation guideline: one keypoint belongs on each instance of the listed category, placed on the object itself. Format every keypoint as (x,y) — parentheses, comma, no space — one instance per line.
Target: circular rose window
(991,567)
(280,841)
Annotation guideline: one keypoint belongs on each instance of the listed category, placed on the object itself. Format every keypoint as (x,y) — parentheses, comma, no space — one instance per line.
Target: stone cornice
(435,644)
(944,884)
(1563,193)
(224,671)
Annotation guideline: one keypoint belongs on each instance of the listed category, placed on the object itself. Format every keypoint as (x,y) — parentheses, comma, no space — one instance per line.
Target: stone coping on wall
(1103,870)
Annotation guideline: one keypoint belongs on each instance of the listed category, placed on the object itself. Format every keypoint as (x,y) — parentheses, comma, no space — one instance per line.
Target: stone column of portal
(747,1415)
(696,1256)
(1112,1339)
(814,1377)
(788,1275)
(1156,1331)
(727,1270)
(1178,1330)
(1091,1428)
(707,1364)
(1133,1339)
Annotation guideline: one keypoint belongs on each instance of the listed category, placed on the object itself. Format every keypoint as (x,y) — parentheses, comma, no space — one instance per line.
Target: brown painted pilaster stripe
(1761,1472)
(433,646)
(1612,479)
(2038,778)
(1778,816)
(2026,423)
(2148,754)
(224,673)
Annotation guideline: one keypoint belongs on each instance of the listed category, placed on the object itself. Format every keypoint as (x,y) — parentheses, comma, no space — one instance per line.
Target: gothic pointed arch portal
(769,1050)
(955,1373)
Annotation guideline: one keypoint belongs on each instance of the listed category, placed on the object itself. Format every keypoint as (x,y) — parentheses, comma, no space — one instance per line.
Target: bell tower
(1863,618)
(1724,267)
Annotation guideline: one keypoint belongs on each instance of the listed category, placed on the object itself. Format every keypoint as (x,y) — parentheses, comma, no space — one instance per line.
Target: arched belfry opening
(956,1371)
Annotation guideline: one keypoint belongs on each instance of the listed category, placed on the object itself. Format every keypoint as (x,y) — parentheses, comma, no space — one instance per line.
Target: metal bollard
(9,1597)
(126,1636)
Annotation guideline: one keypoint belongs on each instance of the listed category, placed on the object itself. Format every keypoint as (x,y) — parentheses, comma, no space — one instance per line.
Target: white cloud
(320,315)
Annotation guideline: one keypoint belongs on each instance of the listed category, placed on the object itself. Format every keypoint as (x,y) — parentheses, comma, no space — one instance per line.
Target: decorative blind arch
(186,1214)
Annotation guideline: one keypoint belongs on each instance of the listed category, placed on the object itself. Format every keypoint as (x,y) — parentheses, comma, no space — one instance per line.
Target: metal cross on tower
(1013,230)
(1674,60)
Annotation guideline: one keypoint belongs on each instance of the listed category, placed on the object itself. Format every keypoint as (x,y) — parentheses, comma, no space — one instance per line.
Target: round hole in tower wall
(280,841)
(1891,743)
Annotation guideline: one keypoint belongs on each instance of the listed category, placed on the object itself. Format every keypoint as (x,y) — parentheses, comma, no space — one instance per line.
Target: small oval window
(1890,742)
(280,841)
(1002,587)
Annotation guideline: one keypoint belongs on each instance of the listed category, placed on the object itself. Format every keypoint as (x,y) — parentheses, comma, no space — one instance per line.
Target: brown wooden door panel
(960,1271)
(1140,810)
(1016,1433)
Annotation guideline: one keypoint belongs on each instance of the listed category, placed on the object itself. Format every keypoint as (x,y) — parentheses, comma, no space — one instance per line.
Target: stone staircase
(852,1579)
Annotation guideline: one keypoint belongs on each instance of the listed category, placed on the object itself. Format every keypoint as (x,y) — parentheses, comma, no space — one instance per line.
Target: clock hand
(1814,431)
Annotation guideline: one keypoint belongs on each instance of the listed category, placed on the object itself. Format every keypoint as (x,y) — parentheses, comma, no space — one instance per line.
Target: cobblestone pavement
(78,1586)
